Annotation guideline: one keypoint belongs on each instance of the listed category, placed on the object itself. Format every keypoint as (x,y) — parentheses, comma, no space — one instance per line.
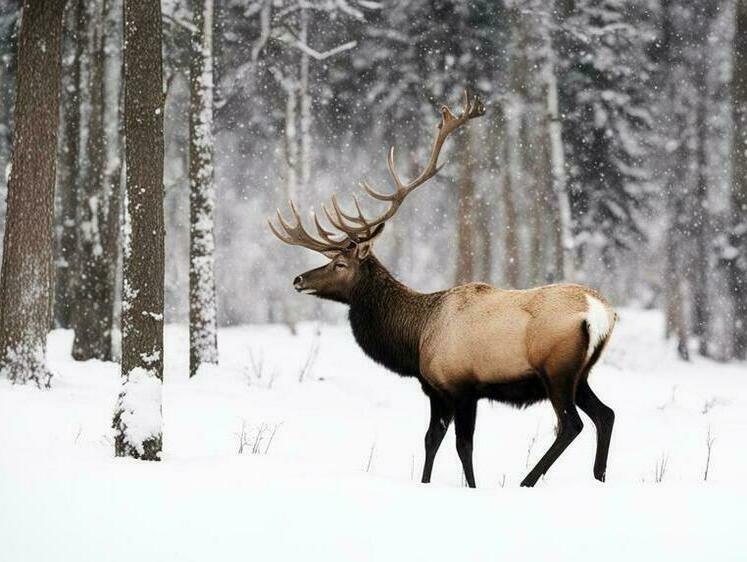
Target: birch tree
(26,275)
(137,418)
(203,338)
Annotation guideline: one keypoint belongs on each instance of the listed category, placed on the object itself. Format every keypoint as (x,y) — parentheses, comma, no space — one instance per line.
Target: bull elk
(466,343)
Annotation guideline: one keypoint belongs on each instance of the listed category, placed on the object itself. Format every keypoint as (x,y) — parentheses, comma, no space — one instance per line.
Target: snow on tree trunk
(26,276)
(98,209)
(203,342)
(137,417)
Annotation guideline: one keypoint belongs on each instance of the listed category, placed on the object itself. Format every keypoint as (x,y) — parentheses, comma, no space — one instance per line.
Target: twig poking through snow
(370,456)
(671,399)
(310,358)
(709,446)
(530,447)
(661,468)
(256,442)
(711,403)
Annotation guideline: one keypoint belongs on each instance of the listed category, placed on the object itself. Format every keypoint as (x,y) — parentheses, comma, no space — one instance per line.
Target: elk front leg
(464,424)
(441,414)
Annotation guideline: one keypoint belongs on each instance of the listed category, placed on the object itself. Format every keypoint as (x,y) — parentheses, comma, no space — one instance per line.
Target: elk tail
(598,323)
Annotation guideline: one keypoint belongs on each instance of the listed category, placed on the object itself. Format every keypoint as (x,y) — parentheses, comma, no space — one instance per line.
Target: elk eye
(340,265)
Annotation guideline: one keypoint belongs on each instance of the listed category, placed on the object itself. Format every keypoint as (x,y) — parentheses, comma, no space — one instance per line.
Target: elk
(466,343)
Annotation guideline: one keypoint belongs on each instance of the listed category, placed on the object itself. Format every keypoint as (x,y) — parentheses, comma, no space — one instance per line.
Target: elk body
(467,343)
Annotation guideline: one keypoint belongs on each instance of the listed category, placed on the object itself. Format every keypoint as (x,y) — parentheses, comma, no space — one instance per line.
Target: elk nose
(298,283)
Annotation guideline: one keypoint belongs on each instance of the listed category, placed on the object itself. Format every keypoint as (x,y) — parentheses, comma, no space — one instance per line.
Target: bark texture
(26,278)
(203,321)
(137,419)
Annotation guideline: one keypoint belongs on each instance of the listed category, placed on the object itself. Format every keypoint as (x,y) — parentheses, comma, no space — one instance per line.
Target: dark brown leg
(441,415)
(561,393)
(603,418)
(464,424)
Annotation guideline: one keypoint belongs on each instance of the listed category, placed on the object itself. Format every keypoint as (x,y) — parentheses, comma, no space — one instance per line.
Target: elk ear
(363,249)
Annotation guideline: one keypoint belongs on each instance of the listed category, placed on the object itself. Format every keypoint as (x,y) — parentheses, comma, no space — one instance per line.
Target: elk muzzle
(298,284)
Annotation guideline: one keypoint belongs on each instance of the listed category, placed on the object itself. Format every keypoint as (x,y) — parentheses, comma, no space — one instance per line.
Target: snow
(140,405)
(331,464)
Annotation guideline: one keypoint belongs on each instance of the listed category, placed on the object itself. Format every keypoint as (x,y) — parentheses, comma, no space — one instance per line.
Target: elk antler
(359,225)
(357,228)
(297,235)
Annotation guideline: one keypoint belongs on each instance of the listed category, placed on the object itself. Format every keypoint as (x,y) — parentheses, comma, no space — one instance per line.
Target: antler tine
(342,214)
(276,233)
(288,228)
(298,236)
(373,193)
(324,233)
(334,222)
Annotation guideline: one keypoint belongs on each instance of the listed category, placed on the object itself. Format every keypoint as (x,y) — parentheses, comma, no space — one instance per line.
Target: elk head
(349,248)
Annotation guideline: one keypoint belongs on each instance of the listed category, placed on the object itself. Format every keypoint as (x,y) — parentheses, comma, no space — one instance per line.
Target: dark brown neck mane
(388,318)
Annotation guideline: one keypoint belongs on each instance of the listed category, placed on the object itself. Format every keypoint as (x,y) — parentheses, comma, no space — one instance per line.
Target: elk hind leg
(561,391)
(464,424)
(603,418)
(441,415)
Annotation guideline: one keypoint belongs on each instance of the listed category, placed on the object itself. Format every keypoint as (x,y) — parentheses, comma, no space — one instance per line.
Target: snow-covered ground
(259,465)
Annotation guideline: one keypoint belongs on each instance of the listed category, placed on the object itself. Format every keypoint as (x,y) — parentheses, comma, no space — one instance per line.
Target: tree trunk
(305,109)
(8,71)
(700,219)
(736,253)
(137,418)
(203,323)
(532,163)
(512,258)
(69,172)
(563,231)
(113,171)
(26,277)
(465,228)
(484,238)
(98,212)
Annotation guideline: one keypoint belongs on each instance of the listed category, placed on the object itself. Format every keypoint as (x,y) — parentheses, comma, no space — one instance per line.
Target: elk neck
(388,318)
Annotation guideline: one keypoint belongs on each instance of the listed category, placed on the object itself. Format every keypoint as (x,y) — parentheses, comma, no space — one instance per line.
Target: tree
(203,316)
(9,12)
(604,77)
(97,216)
(137,418)
(465,269)
(26,276)
(68,168)
(734,254)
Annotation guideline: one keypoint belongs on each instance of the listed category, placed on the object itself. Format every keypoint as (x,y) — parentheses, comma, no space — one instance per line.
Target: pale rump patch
(599,322)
